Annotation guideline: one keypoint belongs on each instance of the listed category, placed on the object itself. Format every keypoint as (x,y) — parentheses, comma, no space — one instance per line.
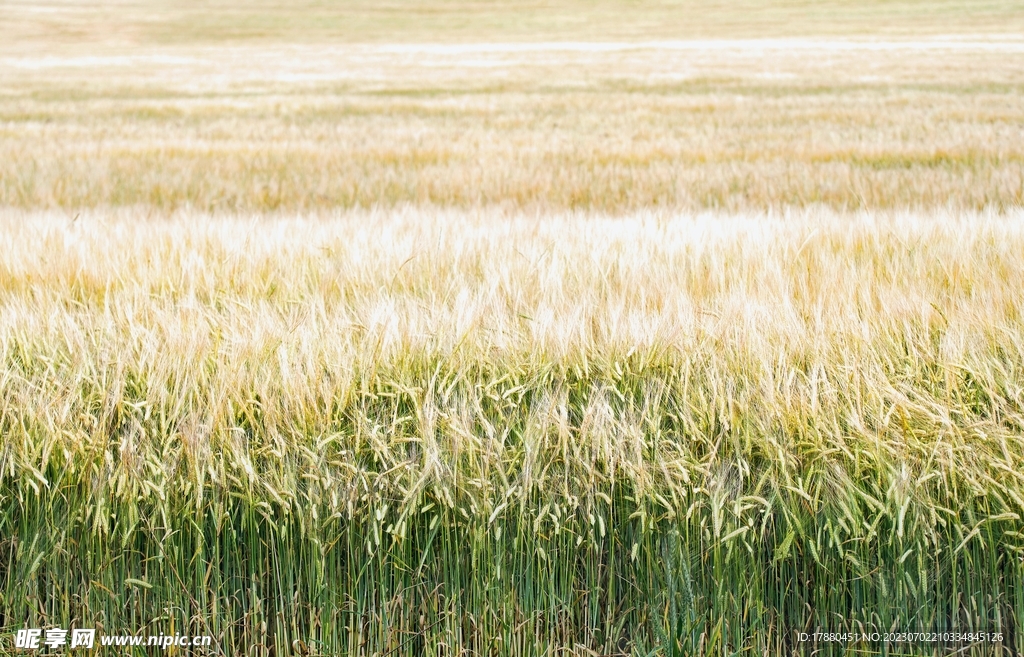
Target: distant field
(64,24)
(886,117)
(588,328)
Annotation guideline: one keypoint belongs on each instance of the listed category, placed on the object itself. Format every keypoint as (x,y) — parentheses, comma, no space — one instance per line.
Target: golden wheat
(733,126)
(755,394)
(499,329)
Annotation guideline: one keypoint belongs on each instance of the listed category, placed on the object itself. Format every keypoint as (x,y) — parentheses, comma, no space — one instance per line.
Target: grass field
(456,329)
(865,122)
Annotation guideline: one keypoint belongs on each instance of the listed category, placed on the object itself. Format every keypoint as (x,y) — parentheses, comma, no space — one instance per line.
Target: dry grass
(118,23)
(735,126)
(199,303)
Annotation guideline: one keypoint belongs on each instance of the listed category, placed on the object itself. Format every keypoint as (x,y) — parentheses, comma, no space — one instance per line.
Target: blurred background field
(269,107)
(66,25)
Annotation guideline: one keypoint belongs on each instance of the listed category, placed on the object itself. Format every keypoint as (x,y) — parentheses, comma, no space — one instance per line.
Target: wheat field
(463,328)
(741,125)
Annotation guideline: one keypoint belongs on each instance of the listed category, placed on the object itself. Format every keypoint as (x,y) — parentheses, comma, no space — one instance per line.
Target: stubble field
(594,330)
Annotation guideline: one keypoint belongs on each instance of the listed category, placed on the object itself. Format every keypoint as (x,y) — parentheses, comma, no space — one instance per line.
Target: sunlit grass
(119,23)
(512,329)
(745,126)
(429,431)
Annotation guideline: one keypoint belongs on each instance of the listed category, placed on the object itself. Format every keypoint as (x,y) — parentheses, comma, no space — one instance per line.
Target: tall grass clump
(426,432)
